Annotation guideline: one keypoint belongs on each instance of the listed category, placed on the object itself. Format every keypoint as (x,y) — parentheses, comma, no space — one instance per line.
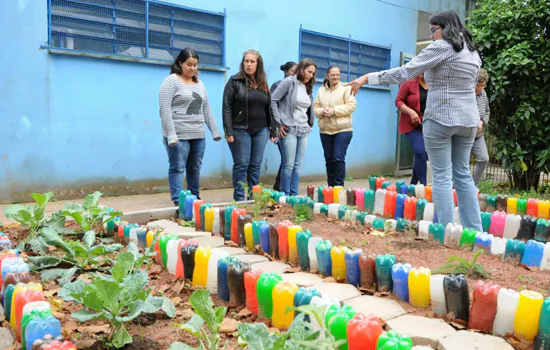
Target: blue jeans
(294,151)
(187,156)
(420,168)
(335,148)
(247,151)
(449,152)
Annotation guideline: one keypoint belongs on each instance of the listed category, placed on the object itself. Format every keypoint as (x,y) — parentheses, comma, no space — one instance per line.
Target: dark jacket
(235,107)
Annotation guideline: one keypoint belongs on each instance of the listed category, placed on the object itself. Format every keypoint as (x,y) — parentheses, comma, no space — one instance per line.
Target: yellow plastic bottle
(419,287)
(283,296)
(511,206)
(526,321)
(209,218)
(544,210)
(200,273)
(292,243)
(338,257)
(151,236)
(336,194)
(21,288)
(248,237)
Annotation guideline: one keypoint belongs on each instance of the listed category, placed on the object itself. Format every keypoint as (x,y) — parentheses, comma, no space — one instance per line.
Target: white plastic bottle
(212,277)
(311,244)
(511,226)
(545,262)
(424,229)
(173,254)
(420,191)
(457,216)
(317,208)
(437,295)
(429,212)
(498,247)
(507,303)
(379,200)
(216,223)
(453,232)
(333,210)
(368,220)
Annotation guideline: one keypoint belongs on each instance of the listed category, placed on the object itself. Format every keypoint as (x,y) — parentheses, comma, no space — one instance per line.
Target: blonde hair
(483,76)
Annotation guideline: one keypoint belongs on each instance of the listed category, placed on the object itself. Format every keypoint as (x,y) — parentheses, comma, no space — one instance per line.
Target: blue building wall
(74,124)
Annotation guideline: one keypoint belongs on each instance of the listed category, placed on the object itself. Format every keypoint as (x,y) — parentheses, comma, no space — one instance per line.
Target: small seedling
(458,265)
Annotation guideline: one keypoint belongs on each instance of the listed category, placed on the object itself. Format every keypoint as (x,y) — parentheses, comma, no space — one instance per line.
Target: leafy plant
(300,335)
(117,298)
(302,213)
(90,215)
(456,265)
(204,314)
(77,256)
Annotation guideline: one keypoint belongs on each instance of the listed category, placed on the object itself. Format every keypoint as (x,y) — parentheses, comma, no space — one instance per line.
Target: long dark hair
(452,30)
(300,73)
(182,57)
(326,82)
(287,66)
(260,79)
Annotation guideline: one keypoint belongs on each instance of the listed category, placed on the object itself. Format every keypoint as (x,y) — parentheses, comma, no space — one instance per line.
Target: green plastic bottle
(302,239)
(291,200)
(163,242)
(521,206)
(372,183)
(320,194)
(336,320)
(514,250)
(485,221)
(491,203)
(400,225)
(256,231)
(437,232)
(324,209)
(467,239)
(361,217)
(384,264)
(369,200)
(342,212)
(392,341)
(264,290)
(385,184)
(420,206)
(399,184)
(411,191)
(542,231)
(543,336)
(228,217)
(378,224)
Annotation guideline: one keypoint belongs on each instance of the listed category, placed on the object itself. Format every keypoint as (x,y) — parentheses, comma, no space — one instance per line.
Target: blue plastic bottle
(400,205)
(353,274)
(404,189)
(189,200)
(256,224)
(324,260)
(228,216)
(400,277)
(142,237)
(264,237)
(532,254)
(40,326)
(223,289)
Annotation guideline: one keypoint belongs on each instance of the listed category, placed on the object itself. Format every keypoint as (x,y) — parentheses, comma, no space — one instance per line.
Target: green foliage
(300,335)
(90,215)
(32,216)
(117,298)
(77,256)
(456,265)
(513,39)
(204,314)
(302,213)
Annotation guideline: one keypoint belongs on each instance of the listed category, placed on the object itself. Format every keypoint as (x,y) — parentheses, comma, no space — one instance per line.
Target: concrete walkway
(162,200)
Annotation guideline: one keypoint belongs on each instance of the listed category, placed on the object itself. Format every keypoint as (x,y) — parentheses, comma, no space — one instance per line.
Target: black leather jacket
(235,107)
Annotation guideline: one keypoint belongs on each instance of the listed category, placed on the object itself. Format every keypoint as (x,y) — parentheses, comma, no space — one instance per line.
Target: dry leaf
(176,300)
(70,325)
(231,244)
(155,270)
(273,330)
(178,287)
(244,313)
(85,278)
(329,280)
(163,287)
(294,269)
(187,314)
(228,325)
(377,233)
(95,329)
(457,324)
(366,291)
(50,293)
(58,315)
(86,343)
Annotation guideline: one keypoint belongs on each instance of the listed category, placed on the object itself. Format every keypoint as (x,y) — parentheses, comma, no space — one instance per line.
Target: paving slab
(422,347)
(190,234)
(171,230)
(211,241)
(471,340)
(382,308)
(271,267)
(251,259)
(231,251)
(6,338)
(162,224)
(339,291)
(302,279)
(422,330)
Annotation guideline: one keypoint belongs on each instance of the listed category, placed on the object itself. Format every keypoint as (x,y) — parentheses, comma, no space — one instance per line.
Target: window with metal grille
(142,29)
(354,58)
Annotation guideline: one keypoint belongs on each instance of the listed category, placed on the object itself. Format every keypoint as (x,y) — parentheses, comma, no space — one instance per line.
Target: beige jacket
(342,100)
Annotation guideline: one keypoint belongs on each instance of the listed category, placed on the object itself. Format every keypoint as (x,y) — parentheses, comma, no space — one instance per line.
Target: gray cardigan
(283,103)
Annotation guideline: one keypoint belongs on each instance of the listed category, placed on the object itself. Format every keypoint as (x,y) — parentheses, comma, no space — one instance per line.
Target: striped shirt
(483,108)
(184,108)
(451,77)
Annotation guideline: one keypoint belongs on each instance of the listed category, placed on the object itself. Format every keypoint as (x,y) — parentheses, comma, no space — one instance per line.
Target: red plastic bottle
(389,204)
(235,223)
(391,188)
(532,207)
(328,195)
(120,232)
(363,332)
(410,208)
(197,210)
(179,265)
(455,198)
(250,281)
(156,248)
(282,230)
(379,181)
(484,306)
(367,269)
(57,345)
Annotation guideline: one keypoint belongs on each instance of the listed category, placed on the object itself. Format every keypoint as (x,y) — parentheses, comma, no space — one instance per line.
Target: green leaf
(169,308)
(67,276)
(202,304)
(133,284)
(181,346)
(92,199)
(193,326)
(89,239)
(256,336)
(38,245)
(102,293)
(104,250)
(43,262)
(52,238)
(52,274)
(134,309)
(72,291)
(121,337)
(123,266)
(86,315)
(524,166)
(57,223)
(13,210)
(152,304)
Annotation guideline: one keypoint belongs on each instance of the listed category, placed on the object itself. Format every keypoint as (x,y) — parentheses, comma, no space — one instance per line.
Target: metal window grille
(136,28)
(354,58)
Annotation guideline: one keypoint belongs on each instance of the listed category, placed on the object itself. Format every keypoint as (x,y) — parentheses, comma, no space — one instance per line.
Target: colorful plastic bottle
(188,258)
(437,295)
(283,297)
(282,230)
(502,202)
(353,273)
(491,204)
(292,243)
(544,210)
(235,282)
(250,282)
(328,195)
(360,199)
(228,222)
(248,237)
(484,306)
(264,289)
(411,190)
(234,231)
(312,254)
(420,191)
(437,232)
(428,193)
(323,252)
(336,320)
(379,201)
(379,224)
(310,189)
(420,207)
(337,192)
(350,196)
(384,264)
(410,208)
(216,228)
(197,214)
(163,248)
(302,240)
(400,277)
(363,332)
(263,236)
(393,341)
(173,255)
(511,228)
(212,276)
(486,221)
(521,206)
(419,287)
(429,212)
(320,194)
(379,182)
(532,207)
(532,255)
(243,220)
(367,268)
(337,255)
(507,302)
(498,221)
(390,204)
(526,321)
(273,241)
(372,183)
(457,296)
(30,311)
(189,207)
(304,296)
(511,205)
(400,206)
(200,273)
(453,233)
(467,239)
(514,250)
(369,200)
(543,336)
(42,324)
(542,231)
(23,299)
(209,218)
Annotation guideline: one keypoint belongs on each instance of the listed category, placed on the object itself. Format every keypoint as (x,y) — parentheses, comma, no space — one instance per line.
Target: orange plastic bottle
(363,332)
(379,181)
(389,204)
(410,208)
(282,230)
(533,207)
(235,223)
(328,195)
(283,296)
(484,306)
(21,300)
(179,265)
(197,210)
(250,281)
(455,198)
(21,288)
(428,193)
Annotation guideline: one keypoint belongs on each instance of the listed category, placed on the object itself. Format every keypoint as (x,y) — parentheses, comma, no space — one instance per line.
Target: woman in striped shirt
(451,65)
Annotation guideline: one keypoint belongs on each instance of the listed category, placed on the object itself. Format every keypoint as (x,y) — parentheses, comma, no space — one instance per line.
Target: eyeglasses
(434,29)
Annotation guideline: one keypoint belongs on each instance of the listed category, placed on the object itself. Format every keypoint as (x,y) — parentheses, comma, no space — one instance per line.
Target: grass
(456,265)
